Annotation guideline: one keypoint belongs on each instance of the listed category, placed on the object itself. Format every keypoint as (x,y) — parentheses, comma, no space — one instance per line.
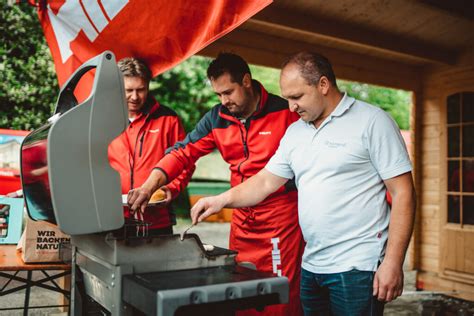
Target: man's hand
(169,195)
(388,282)
(138,199)
(206,207)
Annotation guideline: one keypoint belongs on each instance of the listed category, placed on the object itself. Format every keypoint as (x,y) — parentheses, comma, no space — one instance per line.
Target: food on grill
(208,247)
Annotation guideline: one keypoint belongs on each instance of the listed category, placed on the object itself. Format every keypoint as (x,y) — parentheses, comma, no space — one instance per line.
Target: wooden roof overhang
(381,42)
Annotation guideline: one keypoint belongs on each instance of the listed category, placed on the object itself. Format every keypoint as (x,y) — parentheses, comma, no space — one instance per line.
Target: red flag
(161,32)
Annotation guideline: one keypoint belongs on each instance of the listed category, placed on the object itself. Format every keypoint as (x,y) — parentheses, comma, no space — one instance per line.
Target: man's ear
(247,80)
(324,85)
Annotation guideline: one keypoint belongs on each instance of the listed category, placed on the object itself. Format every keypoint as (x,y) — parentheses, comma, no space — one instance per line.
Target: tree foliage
(185,89)
(395,102)
(268,77)
(28,84)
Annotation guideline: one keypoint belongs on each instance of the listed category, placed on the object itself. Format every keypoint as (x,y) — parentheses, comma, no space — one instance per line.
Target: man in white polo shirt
(344,154)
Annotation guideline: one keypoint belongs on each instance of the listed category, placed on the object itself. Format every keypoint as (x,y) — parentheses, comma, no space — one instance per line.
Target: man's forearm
(249,193)
(243,195)
(401,226)
(156,180)
(254,190)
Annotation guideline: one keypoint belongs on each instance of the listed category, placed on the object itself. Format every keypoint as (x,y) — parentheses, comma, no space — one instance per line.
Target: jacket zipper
(244,135)
(133,164)
(141,143)
(141,140)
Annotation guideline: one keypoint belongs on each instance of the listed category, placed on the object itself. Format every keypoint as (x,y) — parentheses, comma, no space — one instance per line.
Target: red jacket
(267,234)
(246,146)
(137,150)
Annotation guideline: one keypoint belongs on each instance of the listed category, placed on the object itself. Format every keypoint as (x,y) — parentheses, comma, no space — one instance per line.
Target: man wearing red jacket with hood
(153,127)
(246,128)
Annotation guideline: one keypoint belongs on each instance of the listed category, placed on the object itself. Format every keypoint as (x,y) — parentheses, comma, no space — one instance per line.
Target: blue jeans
(346,293)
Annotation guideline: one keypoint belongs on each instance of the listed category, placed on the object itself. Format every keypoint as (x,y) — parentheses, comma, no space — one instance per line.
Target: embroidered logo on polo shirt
(334,144)
(154,130)
(265,133)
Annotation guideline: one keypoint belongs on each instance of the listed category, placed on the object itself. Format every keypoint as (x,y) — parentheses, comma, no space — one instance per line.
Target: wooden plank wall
(429,196)
(437,85)
(412,260)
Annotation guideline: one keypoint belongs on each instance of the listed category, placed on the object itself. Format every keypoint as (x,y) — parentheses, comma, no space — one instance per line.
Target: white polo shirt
(339,170)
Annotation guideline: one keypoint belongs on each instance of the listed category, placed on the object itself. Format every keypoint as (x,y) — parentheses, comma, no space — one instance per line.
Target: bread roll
(158,196)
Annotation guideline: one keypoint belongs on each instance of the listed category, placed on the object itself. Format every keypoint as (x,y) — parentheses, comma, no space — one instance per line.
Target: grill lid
(66,176)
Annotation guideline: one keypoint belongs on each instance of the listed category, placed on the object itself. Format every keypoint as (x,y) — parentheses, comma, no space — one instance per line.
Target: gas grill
(67,180)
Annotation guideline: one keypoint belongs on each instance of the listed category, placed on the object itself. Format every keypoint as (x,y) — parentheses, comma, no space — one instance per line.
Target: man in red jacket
(153,128)
(246,128)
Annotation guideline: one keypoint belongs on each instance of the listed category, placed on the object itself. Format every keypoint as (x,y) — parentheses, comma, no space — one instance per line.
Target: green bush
(28,84)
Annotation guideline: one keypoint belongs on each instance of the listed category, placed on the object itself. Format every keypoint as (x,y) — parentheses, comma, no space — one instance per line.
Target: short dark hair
(312,67)
(134,67)
(230,63)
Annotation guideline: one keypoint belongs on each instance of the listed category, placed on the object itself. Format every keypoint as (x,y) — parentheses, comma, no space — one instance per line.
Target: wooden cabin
(422,46)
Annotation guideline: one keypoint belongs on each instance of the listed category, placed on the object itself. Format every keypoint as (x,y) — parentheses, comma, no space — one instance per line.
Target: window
(460,158)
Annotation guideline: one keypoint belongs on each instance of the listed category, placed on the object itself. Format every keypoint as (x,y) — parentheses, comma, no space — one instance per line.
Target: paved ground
(411,302)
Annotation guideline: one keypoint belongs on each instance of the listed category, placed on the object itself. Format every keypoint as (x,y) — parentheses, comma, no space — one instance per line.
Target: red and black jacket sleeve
(183,155)
(176,134)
